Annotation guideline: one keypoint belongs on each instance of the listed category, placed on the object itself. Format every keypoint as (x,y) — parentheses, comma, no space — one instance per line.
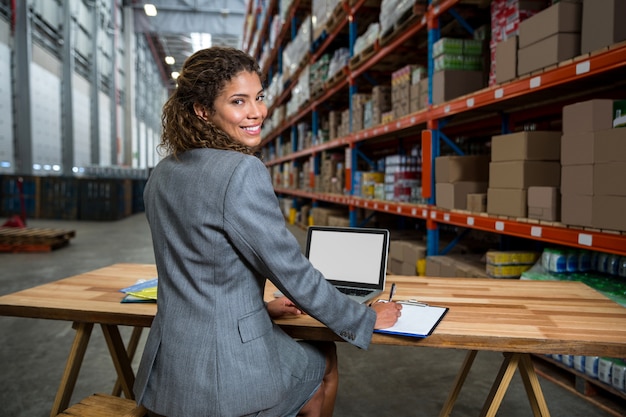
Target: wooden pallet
(31,239)
(363,56)
(339,76)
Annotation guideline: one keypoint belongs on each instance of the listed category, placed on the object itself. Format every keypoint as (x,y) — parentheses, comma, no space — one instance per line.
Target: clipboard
(417,320)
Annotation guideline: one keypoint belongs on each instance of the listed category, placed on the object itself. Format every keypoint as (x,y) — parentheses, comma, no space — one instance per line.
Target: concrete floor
(384,381)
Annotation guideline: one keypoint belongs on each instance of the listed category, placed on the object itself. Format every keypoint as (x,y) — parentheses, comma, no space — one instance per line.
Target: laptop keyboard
(354,291)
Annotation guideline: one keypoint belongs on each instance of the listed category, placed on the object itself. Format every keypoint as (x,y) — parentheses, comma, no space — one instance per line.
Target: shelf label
(535,82)
(433,215)
(446,217)
(446,109)
(399,209)
(499,226)
(386,207)
(470,102)
(470,221)
(536,231)
(413,120)
(398,125)
(424,213)
(413,211)
(499,93)
(585,239)
(583,67)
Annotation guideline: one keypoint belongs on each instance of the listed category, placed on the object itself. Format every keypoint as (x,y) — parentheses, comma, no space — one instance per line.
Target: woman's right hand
(387,314)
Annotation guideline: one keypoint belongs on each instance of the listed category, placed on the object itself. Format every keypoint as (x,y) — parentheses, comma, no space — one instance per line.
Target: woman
(218,234)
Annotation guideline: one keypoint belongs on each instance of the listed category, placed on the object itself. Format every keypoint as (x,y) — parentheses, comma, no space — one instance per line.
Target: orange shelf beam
(561,235)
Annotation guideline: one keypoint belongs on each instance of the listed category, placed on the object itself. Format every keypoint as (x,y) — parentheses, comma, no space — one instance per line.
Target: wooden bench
(103,405)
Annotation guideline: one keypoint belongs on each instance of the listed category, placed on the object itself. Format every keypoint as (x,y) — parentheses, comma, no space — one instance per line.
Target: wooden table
(510,316)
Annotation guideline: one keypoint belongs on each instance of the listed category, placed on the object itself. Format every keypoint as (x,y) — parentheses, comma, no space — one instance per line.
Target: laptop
(353,259)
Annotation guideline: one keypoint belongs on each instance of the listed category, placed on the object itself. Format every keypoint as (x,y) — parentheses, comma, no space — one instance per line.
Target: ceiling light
(150,9)
(169,60)
(175,75)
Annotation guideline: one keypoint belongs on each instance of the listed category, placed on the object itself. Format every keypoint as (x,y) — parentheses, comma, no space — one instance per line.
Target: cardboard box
(506,60)
(413,252)
(454,195)
(507,202)
(609,178)
(577,148)
(524,174)
(576,210)
(608,212)
(462,168)
(433,267)
(587,116)
(602,24)
(532,145)
(610,145)
(562,17)
(450,84)
(544,203)
(547,52)
(477,202)
(577,179)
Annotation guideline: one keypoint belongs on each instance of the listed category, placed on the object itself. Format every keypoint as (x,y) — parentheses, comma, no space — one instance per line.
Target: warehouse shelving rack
(493,109)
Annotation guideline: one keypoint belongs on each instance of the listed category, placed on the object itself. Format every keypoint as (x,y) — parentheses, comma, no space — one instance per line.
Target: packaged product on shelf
(391,11)
(296,50)
(511,257)
(367,38)
(338,62)
(319,73)
(605,366)
(618,374)
(619,113)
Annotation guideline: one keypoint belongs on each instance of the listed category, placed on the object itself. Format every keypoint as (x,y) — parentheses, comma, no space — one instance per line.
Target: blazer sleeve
(255,224)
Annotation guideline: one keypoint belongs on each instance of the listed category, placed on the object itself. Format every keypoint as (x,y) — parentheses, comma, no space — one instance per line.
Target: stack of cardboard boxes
(527,37)
(457,265)
(549,37)
(593,159)
(404,256)
(400,91)
(459,176)
(380,103)
(519,161)
(506,16)
(602,24)
(358,110)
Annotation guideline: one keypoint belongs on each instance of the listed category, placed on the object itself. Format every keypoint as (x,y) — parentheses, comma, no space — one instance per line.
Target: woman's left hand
(282,306)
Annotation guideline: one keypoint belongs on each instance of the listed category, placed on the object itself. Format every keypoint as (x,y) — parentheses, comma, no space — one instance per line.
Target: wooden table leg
(131,349)
(511,362)
(533,388)
(72,367)
(458,383)
(500,385)
(120,359)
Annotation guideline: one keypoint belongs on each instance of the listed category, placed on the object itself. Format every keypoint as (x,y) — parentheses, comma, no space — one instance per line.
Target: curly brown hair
(202,79)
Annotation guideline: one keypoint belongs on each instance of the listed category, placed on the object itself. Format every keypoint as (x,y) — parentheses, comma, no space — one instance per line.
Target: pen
(392,292)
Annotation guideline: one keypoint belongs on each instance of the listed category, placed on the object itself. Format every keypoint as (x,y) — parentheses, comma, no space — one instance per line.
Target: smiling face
(240,109)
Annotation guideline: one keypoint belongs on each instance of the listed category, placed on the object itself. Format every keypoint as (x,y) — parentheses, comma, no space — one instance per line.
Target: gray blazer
(218,233)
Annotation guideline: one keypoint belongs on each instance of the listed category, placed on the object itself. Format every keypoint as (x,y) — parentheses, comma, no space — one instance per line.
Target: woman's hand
(386,314)
(282,306)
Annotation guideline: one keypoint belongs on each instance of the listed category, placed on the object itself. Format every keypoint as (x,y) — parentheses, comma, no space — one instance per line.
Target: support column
(67,102)
(21,74)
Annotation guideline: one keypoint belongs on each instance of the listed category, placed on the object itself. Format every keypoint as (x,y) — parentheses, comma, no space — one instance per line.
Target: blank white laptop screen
(349,256)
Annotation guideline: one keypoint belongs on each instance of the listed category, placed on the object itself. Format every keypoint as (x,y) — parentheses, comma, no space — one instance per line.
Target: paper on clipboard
(417,320)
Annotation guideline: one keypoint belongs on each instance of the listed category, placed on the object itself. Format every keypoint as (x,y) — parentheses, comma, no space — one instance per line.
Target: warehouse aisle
(383,381)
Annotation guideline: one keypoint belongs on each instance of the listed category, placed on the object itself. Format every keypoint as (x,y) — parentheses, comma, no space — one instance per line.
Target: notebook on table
(353,259)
